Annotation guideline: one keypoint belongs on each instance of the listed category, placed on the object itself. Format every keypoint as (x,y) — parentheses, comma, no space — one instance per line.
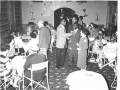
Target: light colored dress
(82,53)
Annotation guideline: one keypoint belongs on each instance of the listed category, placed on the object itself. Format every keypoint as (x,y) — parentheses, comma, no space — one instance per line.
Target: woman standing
(82,50)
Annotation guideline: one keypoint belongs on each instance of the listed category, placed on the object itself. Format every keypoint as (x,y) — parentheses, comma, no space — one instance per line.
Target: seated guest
(34,59)
(5,65)
(4,51)
(110,49)
(97,46)
(93,29)
(19,44)
(32,46)
(11,42)
(30,27)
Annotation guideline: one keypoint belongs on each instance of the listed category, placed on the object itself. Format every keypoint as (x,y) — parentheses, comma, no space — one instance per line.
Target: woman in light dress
(82,49)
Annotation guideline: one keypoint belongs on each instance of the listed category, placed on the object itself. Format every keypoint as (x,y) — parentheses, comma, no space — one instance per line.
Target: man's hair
(33,35)
(75,16)
(62,19)
(45,23)
(81,17)
(75,25)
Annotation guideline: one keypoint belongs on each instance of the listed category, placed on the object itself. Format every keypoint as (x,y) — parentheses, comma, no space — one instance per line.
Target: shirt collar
(62,25)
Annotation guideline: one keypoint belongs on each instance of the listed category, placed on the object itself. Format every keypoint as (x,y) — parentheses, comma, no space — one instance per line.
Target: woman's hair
(31,24)
(33,35)
(84,25)
(85,31)
(9,39)
(35,31)
(17,34)
(45,23)
(4,47)
(12,31)
(93,25)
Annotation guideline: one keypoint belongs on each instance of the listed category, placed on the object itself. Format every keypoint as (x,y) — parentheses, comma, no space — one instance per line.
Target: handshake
(78,46)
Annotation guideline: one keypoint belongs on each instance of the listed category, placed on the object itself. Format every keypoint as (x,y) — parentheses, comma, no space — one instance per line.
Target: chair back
(39,66)
(110,52)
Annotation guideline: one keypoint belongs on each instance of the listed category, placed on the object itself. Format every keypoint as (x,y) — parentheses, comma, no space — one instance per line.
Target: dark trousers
(60,56)
(73,56)
(21,50)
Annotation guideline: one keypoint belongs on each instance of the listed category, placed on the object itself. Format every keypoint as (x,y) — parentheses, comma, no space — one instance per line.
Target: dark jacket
(75,38)
(44,37)
(34,59)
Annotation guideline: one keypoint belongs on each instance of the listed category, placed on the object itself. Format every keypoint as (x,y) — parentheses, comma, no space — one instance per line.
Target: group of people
(78,39)
(30,49)
(75,40)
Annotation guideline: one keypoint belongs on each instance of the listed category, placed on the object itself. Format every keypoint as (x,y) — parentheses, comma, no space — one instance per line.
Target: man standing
(60,43)
(73,53)
(80,21)
(44,36)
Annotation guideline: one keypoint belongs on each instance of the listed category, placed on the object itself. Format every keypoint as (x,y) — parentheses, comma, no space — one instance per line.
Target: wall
(92,7)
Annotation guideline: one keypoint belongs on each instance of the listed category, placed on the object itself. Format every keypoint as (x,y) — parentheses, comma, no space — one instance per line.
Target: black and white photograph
(59,45)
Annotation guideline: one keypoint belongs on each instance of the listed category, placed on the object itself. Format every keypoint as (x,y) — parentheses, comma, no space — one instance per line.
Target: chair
(35,67)
(94,54)
(109,56)
(115,78)
(7,74)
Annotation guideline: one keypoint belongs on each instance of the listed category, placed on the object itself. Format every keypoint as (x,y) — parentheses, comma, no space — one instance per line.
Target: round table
(86,80)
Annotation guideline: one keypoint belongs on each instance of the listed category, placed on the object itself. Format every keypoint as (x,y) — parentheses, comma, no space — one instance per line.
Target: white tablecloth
(86,80)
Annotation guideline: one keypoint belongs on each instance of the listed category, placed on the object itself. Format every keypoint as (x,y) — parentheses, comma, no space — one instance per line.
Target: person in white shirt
(60,43)
(32,46)
(19,44)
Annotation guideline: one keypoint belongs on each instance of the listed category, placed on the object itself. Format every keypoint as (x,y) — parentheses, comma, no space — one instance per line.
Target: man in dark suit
(44,35)
(73,53)
(34,59)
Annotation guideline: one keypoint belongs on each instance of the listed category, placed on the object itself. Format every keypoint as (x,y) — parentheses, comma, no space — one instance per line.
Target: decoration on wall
(97,14)
(31,13)
(97,19)
(85,15)
(46,10)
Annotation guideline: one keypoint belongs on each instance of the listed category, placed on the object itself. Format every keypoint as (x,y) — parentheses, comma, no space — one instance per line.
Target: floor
(57,76)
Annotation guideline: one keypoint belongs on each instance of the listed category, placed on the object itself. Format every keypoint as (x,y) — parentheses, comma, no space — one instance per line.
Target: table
(86,80)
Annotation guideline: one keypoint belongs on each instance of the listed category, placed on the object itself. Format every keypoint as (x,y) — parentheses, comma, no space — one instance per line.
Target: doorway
(62,12)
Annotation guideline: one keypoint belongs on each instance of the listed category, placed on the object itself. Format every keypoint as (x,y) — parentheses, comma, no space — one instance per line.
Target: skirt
(82,58)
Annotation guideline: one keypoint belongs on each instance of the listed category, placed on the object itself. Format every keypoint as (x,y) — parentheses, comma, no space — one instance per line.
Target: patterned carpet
(57,76)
